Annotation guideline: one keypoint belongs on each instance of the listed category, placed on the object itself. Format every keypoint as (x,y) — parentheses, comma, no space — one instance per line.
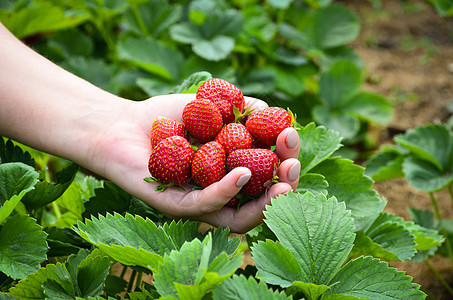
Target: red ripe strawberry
(202,119)
(262,163)
(234,202)
(208,165)
(266,124)
(163,128)
(170,161)
(234,136)
(224,94)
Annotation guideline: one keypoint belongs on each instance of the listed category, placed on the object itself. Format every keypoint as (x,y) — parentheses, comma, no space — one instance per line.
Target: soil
(407,49)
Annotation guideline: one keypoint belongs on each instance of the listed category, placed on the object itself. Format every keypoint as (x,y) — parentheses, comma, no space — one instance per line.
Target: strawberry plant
(348,238)
(424,157)
(280,51)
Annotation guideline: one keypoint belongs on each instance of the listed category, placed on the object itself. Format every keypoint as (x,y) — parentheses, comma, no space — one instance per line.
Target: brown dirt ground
(407,49)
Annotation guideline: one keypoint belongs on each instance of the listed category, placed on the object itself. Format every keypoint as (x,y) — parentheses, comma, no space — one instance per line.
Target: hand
(122,151)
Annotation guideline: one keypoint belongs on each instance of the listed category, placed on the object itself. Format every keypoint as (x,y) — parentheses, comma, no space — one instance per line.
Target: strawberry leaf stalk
(170,161)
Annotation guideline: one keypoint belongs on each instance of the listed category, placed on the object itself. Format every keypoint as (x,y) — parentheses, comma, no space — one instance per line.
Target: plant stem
(131,281)
(123,272)
(139,19)
(436,207)
(439,277)
(56,210)
(138,282)
(450,190)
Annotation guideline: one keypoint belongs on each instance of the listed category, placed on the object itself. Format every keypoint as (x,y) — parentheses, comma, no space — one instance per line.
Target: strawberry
(266,124)
(202,119)
(234,136)
(170,161)
(225,95)
(262,163)
(208,165)
(234,202)
(163,127)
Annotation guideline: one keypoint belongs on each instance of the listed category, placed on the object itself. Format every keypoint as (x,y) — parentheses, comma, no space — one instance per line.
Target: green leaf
(241,288)
(369,278)
(41,18)
(72,201)
(181,232)
(328,57)
(371,107)
(154,86)
(425,176)
(129,240)
(364,245)
(280,4)
(16,179)
(317,144)
(71,43)
(23,246)
(192,83)
(425,238)
(346,125)
(432,142)
(391,233)
(53,290)
(310,290)
(187,273)
(45,192)
(157,17)
(108,199)
(348,183)
(215,49)
(151,55)
(31,288)
(258,81)
(187,33)
(91,274)
(95,70)
(222,242)
(333,26)
(444,7)
(63,242)
(314,183)
(14,153)
(275,264)
(385,165)
(319,232)
(339,84)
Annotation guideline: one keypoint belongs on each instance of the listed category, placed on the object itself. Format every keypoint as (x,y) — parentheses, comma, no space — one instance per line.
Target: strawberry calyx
(162,186)
(239,116)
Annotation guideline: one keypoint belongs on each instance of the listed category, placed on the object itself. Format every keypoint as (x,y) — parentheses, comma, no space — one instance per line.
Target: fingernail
(294,171)
(292,139)
(243,180)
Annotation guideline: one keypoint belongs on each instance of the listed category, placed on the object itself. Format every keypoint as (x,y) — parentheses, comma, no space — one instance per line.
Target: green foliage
(61,231)
(312,248)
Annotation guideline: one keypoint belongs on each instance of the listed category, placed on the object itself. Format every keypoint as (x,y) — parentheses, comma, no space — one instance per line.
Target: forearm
(44,106)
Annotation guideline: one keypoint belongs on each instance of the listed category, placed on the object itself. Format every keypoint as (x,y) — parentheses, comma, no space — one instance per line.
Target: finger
(215,196)
(255,103)
(289,171)
(288,144)
(249,215)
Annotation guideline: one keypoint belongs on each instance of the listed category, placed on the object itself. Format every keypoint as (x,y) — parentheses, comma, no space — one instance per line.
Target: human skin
(52,110)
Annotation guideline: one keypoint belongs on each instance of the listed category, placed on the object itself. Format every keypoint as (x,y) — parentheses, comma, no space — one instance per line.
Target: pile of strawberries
(225,137)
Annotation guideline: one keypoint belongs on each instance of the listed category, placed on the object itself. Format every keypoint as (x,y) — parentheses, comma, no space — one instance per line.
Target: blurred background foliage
(289,53)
